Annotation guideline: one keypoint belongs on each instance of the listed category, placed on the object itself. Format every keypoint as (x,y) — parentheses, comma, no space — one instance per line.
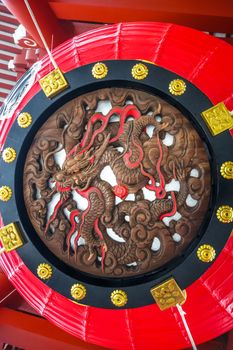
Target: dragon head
(80,167)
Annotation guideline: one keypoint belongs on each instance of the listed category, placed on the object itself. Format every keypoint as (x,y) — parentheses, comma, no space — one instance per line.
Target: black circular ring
(185,269)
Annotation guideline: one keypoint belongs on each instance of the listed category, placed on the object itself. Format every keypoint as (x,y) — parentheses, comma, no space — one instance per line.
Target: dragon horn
(102,148)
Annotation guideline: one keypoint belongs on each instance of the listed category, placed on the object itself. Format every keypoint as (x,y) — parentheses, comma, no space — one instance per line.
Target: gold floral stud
(78,291)
(99,70)
(206,253)
(9,155)
(5,193)
(226,170)
(44,271)
(139,71)
(177,87)
(225,214)
(119,298)
(24,120)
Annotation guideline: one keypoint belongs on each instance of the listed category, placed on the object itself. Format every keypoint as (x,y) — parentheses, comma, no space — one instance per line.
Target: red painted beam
(4,9)
(7,38)
(5,286)
(8,77)
(5,57)
(6,86)
(35,333)
(48,22)
(230,341)
(10,48)
(4,66)
(6,28)
(212,16)
(5,18)
(3,94)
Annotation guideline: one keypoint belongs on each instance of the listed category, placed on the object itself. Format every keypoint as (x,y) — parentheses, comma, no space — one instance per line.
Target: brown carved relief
(121,223)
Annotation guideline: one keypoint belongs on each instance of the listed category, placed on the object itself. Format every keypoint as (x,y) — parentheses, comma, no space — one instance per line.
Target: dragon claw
(104,245)
(91,255)
(163,126)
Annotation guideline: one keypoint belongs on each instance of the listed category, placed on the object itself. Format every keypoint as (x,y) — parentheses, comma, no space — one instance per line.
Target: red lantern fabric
(207,63)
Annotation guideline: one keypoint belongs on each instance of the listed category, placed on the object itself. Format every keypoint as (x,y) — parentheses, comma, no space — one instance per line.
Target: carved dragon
(137,162)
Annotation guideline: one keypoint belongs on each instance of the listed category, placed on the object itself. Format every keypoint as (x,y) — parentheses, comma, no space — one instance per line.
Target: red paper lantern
(207,63)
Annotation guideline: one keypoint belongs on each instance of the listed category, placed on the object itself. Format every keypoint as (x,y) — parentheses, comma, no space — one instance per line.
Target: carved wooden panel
(117,182)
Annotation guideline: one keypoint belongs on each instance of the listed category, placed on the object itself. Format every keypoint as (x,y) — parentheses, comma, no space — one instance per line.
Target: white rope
(41,34)
(1,301)
(182,315)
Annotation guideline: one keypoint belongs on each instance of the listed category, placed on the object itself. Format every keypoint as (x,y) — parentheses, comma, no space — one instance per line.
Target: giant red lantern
(151,74)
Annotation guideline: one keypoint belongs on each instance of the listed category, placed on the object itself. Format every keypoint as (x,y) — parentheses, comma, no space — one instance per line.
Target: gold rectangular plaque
(11,237)
(53,83)
(168,294)
(218,118)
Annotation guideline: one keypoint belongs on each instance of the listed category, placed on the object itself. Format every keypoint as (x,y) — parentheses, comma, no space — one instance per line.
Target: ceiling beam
(211,16)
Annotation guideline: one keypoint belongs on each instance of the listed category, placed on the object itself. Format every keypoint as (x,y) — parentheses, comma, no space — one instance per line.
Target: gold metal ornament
(24,120)
(226,170)
(168,294)
(78,291)
(53,83)
(99,70)
(139,71)
(177,87)
(206,253)
(5,193)
(218,118)
(9,155)
(225,214)
(119,298)
(10,236)
(44,271)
